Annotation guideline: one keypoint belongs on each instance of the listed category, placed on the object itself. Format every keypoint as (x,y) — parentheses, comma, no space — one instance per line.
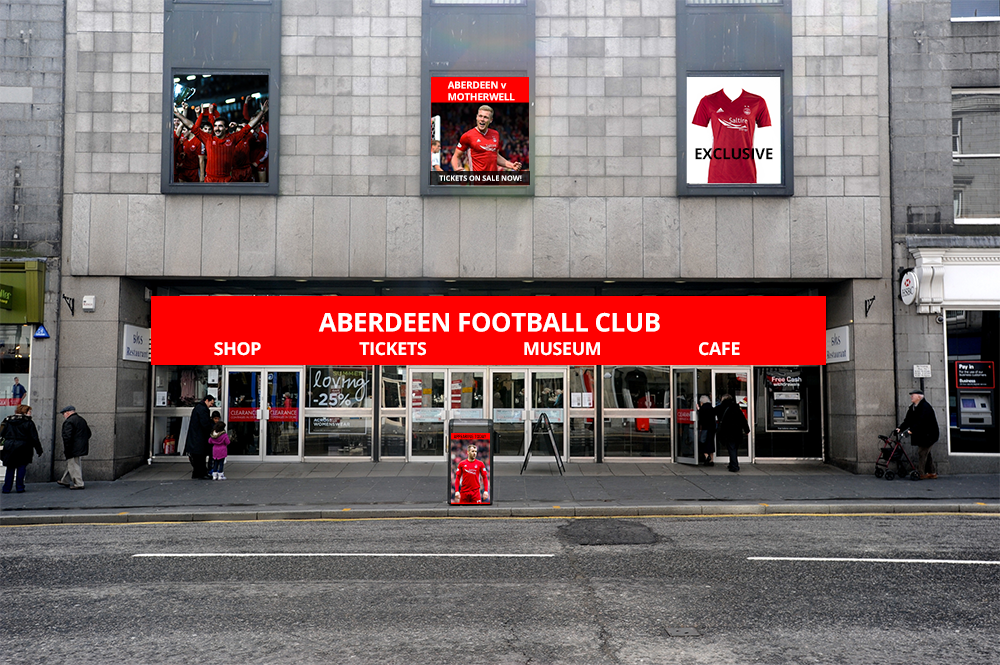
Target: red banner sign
(502,330)
(284,415)
(242,415)
(480,89)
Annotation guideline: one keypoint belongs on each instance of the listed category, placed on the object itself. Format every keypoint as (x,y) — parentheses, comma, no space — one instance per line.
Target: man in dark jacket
(731,429)
(76,444)
(921,424)
(196,445)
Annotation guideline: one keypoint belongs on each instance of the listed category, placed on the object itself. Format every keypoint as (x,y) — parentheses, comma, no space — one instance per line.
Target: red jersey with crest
(483,148)
(733,124)
(221,153)
(467,477)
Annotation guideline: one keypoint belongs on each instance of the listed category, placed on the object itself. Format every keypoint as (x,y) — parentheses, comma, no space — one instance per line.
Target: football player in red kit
(187,153)
(483,146)
(220,146)
(467,485)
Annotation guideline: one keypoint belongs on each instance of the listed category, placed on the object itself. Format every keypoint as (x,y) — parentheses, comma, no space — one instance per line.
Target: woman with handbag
(19,438)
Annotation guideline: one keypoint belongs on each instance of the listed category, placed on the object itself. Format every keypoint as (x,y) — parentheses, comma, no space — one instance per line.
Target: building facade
(614,204)
(945,123)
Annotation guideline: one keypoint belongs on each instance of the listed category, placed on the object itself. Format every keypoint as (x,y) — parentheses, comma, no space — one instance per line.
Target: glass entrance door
(437,396)
(685,409)
(508,411)
(734,381)
(548,386)
(262,412)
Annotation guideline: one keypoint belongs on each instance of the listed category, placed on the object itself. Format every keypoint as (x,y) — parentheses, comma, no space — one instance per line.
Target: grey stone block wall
(605,157)
(31,120)
(930,56)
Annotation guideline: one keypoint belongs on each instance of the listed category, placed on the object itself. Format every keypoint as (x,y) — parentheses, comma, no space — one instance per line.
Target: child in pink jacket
(220,446)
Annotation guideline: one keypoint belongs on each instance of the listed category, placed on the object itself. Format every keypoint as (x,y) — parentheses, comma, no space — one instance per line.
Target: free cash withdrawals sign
(501,330)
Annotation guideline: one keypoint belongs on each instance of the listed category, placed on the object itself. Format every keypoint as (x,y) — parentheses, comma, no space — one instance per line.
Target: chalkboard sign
(338,387)
(974,374)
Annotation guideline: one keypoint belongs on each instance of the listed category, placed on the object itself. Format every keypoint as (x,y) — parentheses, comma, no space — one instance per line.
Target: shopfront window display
(973,357)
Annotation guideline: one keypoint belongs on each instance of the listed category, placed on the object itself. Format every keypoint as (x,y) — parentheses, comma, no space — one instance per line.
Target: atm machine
(975,409)
(786,410)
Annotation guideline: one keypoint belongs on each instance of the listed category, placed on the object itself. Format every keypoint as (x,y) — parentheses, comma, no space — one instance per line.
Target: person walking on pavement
(732,426)
(76,444)
(20,437)
(921,424)
(196,445)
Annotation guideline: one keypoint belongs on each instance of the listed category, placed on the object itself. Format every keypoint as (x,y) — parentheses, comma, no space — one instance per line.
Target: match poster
(470,469)
(734,130)
(479,131)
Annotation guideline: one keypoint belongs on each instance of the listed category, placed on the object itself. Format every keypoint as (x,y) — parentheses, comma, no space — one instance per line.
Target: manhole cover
(607,532)
(683,632)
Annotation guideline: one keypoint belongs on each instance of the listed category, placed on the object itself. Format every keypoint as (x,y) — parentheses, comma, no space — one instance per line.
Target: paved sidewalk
(166,492)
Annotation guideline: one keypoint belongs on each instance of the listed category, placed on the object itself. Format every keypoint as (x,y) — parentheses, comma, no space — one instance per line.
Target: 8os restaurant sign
(502,330)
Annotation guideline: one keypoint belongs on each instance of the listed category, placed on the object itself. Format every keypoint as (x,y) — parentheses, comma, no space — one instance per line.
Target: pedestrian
(731,428)
(220,447)
(20,437)
(76,443)
(921,424)
(196,444)
(706,430)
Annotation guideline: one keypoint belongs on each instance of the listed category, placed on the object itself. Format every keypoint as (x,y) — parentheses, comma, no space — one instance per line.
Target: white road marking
(245,555)
(861,560)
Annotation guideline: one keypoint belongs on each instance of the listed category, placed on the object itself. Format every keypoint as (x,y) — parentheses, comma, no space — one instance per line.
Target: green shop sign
(22,292)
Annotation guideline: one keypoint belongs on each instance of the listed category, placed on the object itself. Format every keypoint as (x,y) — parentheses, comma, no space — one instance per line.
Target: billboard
(734,130)
(479,131)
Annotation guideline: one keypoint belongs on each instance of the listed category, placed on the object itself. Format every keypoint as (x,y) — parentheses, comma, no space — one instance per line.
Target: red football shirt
(221,153)
(467,476)
(186,159)
(483,148)
(733,124)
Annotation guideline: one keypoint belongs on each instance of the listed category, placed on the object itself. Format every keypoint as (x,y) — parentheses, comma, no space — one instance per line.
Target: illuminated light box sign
(502,330)
(734,130)
(479,131)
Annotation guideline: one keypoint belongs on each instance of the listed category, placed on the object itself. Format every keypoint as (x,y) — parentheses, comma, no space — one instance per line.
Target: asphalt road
(663,590)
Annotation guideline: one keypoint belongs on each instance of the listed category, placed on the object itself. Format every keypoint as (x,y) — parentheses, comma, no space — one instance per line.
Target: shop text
(719,348)
(393,348)
(733,153)
(562,348)
(237,348)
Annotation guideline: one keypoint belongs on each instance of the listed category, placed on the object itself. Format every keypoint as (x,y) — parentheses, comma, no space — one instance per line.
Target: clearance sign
(503,330)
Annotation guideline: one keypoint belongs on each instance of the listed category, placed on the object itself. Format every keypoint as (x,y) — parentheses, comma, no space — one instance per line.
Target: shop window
(15,359)
(976,155)
(184,385)
(337,387)
(392,434)
(788,418)
(973,341)
(637,437)
(338,437)
(393,394)
(228,109)
(581,437)
(636,387)
(975,9)
(223,58)
(477,74)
